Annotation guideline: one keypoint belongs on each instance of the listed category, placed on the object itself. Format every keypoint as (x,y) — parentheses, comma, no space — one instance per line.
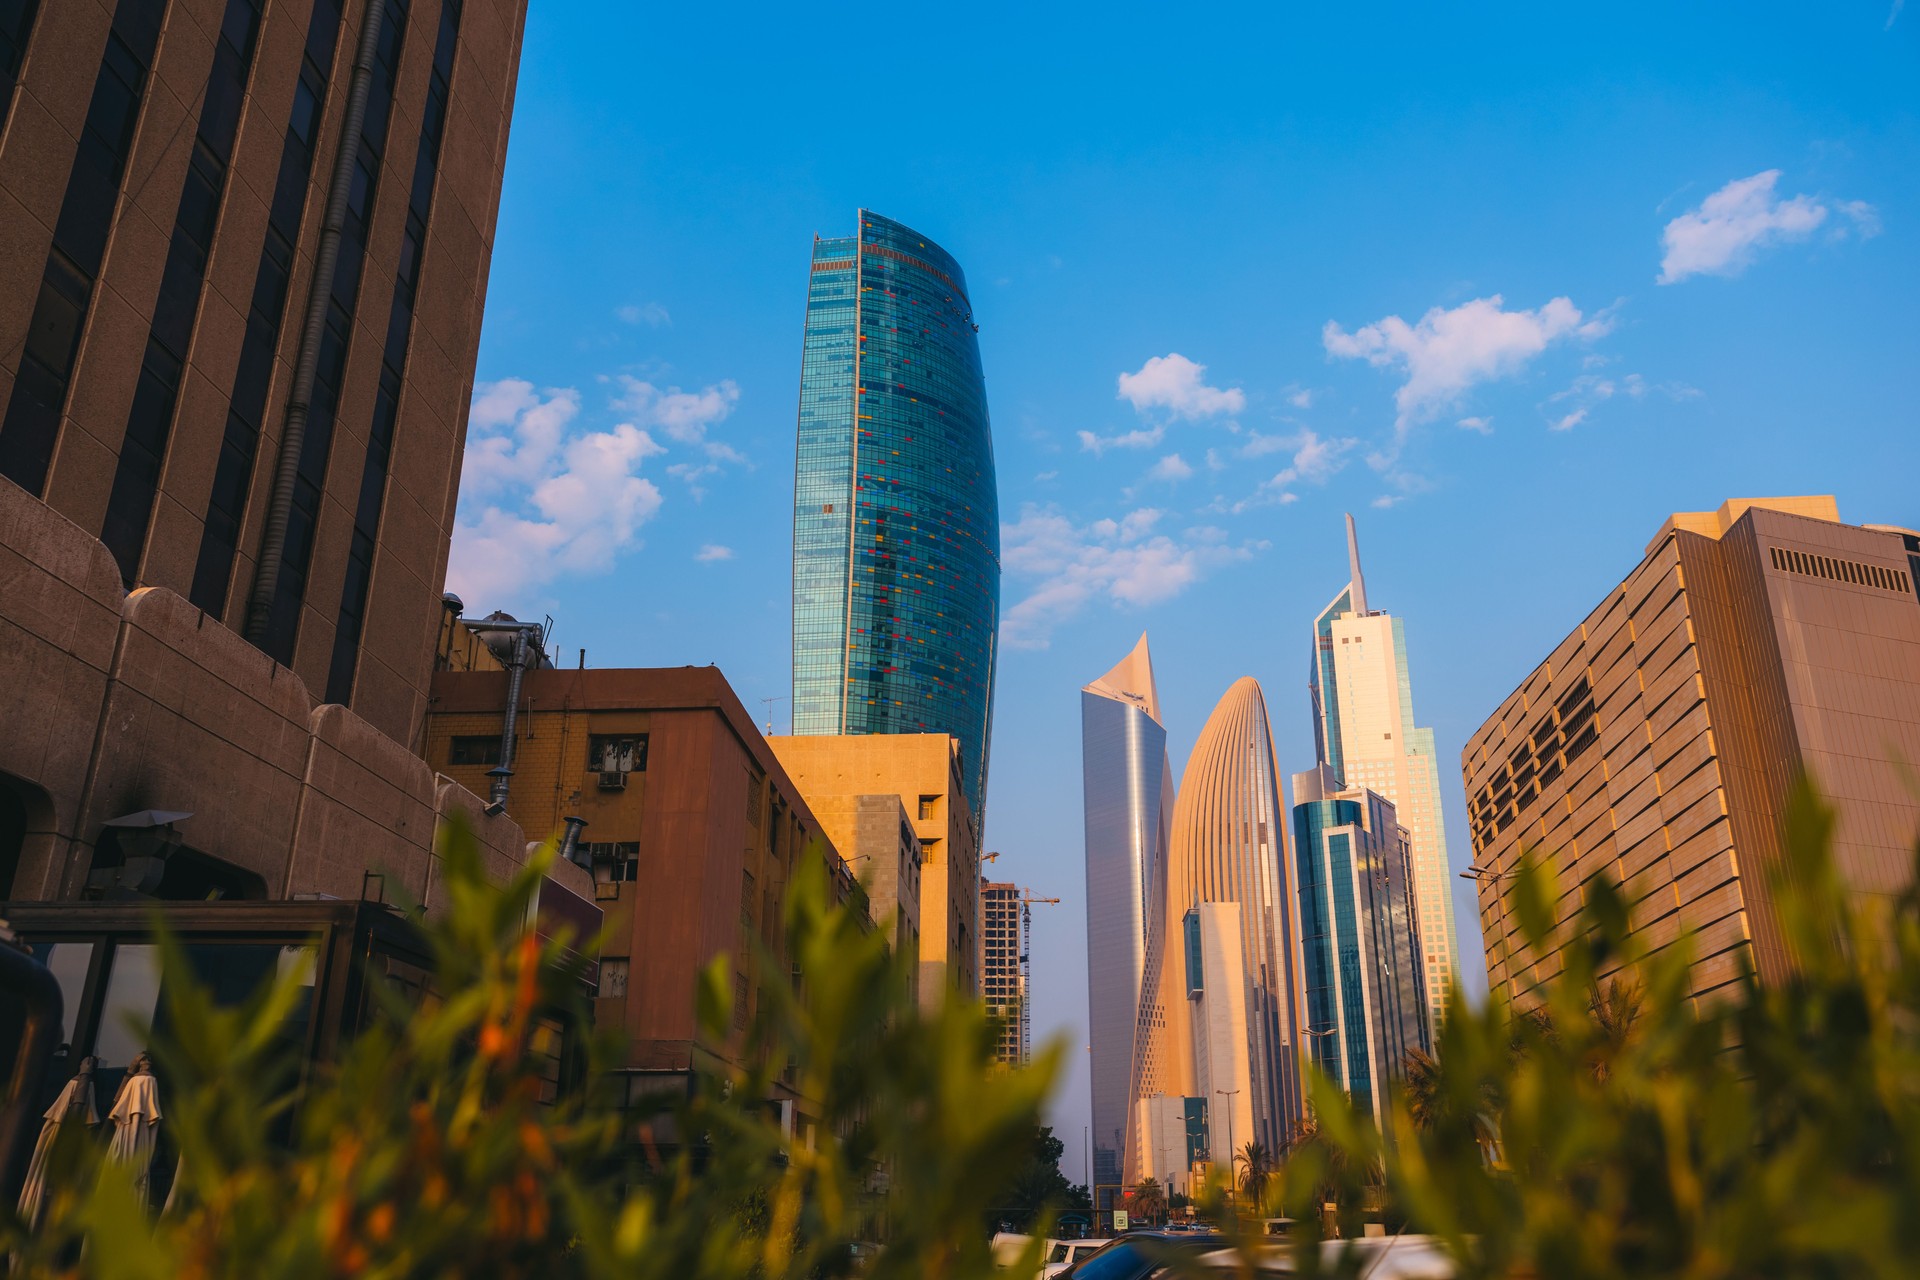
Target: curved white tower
(1231,986)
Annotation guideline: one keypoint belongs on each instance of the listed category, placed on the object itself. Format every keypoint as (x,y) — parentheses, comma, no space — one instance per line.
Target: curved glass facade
(1230,848)
(1128,790)
(896,522)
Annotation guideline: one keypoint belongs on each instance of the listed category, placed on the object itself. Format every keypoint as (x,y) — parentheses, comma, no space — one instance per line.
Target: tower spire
(1358,584)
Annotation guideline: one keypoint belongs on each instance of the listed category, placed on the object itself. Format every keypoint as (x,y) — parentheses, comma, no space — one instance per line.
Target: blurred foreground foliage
(426,1148)
(1612,1125)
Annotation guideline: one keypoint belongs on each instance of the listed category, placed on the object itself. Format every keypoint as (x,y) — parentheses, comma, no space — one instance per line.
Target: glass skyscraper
(1363,729)
(1128,788)
(896,524)
(1359,937)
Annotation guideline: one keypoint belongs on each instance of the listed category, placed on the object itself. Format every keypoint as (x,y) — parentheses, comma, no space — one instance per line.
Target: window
(927,807)
(613,977)
(475,749)
(617,753)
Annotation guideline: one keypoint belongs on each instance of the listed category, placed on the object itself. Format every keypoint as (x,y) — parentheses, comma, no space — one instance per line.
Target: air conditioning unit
(613,781)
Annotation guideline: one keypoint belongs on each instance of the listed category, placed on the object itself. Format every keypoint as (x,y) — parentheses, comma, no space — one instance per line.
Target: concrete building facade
(119,704)
(1174,1139)
(236,343)
(925,772)
(693,831)
(1360,956)
(1659,742)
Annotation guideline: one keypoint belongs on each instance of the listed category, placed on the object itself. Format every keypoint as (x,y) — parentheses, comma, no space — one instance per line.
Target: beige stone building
(279,450)
(923,771)
(692,832)
(1658,743)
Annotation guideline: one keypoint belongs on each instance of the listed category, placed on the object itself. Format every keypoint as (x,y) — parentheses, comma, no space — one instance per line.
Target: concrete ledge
(366,804)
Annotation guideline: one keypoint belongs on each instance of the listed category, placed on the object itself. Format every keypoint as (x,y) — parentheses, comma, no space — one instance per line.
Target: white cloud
(1893,14)
(1301,399)
(1386,500)
(1171,468)
(1123,561)
(1569,421)
(1481,424)
(1449,351)
(1315,460)
(1177,384)
(1143,439)
(1045,476)
(1732,225)
(711,551)
(648,313)
(538,501)
(1590,390)
(683,415)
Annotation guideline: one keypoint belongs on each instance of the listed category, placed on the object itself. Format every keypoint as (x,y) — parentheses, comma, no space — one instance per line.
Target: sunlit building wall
(1230,848)
(1363,728)
(1659,743)
(1127,786)
(896,526)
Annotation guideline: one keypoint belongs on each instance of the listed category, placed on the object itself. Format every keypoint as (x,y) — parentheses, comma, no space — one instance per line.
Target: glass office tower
(1363,729)
(896,523)
(1359,937)
(1128,788)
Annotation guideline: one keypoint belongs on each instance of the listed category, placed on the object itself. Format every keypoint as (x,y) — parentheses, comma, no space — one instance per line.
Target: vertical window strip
(16,28)
(386,406)
(233,473)
(156,396)
(283,619)
(31,426)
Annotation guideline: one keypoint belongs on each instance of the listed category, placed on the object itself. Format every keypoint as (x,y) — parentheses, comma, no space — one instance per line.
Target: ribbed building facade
(246,252)
(1229,877)
(1660,741)
(1364,731)
(1127,786)
(896,527)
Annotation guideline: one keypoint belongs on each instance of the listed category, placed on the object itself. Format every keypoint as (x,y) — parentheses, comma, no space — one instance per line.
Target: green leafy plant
(428,1148)
(1613,1124)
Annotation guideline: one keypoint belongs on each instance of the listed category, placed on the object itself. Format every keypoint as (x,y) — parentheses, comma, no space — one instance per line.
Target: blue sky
(1509,284)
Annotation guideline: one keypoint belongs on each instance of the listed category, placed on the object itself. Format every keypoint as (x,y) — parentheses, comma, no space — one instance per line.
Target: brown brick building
(693,829)
(243,258)
(1659,741)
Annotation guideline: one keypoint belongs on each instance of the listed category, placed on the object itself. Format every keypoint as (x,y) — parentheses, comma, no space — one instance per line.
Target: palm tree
(1255,1164)
(1149,1202)
(1421,1088)
(1614,1008)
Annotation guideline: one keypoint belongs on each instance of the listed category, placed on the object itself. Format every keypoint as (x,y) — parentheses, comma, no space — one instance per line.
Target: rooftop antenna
(1357,585)
(768,703)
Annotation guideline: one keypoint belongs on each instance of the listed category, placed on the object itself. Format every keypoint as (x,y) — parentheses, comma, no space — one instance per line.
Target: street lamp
(1493,875)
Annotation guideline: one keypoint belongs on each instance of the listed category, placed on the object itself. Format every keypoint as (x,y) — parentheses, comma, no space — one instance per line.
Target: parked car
(1140,1254)
(1380,1258)
(1062,1254)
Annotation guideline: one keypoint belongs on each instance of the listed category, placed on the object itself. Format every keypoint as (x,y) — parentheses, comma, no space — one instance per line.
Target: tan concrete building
(694,830)
(118,705)
(874,833)
(924,771)
(1658,742)
(279,449)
